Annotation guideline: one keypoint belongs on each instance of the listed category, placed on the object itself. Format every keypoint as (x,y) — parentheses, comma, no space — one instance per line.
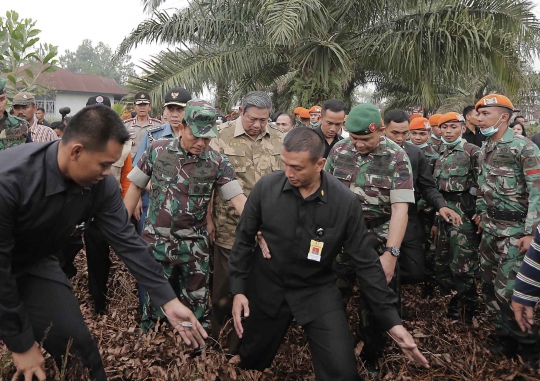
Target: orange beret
(298,110)
(494,100)
(434,120)
(315,109)
(451,117)
(415,115)
(419,124)
(304,114)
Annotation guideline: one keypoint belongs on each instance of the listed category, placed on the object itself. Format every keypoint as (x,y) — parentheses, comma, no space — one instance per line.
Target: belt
(376,222)
(453,196)
(505,215)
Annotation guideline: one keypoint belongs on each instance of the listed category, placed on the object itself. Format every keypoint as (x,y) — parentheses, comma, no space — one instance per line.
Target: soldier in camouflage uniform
(435,139)
(183,172)
(378,171)
(456,256)
(13,131)
(253,147)
(508,208)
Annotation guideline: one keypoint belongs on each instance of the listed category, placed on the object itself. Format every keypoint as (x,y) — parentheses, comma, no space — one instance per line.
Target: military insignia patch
(490,101)
(99,99)
(174,95)
(427,125)
(25,96)
(373,127)
(142,96)
(460,118)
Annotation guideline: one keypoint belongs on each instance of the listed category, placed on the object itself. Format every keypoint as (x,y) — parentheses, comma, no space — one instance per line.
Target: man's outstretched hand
(407,345)
(30,363)
(180,318)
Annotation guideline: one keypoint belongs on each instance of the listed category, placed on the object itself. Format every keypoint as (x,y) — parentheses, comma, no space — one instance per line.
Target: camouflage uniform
(251,159)
(509,203)
(379,179)
(456,256)
(175,227)
(13,131)
(437,146)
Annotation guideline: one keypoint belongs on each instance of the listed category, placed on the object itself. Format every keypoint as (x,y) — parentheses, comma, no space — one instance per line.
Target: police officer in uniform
(138,125)
(13,131)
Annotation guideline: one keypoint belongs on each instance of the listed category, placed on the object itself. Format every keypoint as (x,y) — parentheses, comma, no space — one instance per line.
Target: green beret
(2,85)
(363,119)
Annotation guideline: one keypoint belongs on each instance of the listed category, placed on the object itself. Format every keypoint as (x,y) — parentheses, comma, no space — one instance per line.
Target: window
(48,102)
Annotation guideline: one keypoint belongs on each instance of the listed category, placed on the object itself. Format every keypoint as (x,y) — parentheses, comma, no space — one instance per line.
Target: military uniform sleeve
(241,253)
(142,172)
(329,166)
(110,216)
(530,162)
(429,190)
(227,182)
(402,182)
(15,329)
(527,288)
(367,265)
(475,164)
(481,206)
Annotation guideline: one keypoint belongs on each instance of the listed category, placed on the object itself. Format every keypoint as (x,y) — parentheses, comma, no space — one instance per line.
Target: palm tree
(306,51)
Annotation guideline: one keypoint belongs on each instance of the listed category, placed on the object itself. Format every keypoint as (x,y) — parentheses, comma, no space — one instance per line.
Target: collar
(336,139)
(174,146)
(458,147)
(55,182)
(321,193)
(239,129)
(508,136)
(167,130)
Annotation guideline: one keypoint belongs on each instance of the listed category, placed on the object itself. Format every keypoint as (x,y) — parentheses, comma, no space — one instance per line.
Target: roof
(65,80)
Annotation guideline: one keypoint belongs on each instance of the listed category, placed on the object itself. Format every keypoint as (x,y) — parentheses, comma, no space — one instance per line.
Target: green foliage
(119,108)
(98,60)
(22,60)
(416,52)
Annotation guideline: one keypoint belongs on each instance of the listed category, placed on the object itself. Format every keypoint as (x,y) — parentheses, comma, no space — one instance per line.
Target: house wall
(75,101)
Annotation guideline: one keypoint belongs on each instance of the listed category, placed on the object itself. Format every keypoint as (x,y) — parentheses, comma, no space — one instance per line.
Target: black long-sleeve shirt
(289,223)
(39,211)
(424,183)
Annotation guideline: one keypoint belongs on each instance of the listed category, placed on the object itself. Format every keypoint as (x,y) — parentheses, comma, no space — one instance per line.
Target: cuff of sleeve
(440,204)
(231,190)
(526,300)
(402,195)
(389,318)
(138,177)
(237,286)
(21,342)
(161,295)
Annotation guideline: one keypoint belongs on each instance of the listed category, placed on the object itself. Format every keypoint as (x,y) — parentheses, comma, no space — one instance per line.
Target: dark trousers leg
(51,304)
(67,256)
(412,258)
(99,264)
(332,347)
(262,337)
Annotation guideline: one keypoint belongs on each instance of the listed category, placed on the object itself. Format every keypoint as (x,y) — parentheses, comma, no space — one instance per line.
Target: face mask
(451,144)
(434,137)
(423,145)
(314,124)
(490,131)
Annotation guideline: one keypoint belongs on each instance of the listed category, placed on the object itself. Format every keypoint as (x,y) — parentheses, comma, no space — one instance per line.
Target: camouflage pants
(456,260)
(190,281)
(500,263)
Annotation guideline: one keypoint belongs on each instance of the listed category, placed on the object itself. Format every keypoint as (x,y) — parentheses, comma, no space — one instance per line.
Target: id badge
(315,250)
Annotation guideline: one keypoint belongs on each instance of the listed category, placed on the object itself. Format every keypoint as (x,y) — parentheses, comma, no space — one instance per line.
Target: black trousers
(99,264)
(412,260)
(52,306)
(330,342)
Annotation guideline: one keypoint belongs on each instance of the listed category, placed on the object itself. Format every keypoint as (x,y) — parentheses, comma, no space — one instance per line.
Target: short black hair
(94,126)
(520,116)
(279,113)
(303,139)
(514,123)
(334,105)
(467,110)
(58,126)
(41,109)
(396,116)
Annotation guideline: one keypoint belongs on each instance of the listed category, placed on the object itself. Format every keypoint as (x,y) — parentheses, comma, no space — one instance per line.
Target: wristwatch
(393,250)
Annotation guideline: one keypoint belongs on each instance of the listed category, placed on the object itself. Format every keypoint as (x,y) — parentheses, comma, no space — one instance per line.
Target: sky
(65,23)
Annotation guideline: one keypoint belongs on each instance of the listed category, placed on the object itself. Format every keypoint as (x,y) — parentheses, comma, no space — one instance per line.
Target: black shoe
(99,306)
(503,345)
(372,367)
(453,310)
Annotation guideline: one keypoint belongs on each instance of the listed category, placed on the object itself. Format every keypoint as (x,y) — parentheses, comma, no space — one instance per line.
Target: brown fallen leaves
(454,350)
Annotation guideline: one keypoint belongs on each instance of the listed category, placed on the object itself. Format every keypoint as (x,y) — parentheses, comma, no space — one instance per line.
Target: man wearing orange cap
(297,112)
(456,256)
(315,116)
(304,118)
(420,132)
(508,209)
(435,138)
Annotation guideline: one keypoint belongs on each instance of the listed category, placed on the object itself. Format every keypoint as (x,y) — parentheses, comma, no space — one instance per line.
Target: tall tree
(305,51)
(22,59)
(88,59)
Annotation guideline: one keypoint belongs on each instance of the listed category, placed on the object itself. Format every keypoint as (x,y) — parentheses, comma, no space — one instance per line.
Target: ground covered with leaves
(454,350)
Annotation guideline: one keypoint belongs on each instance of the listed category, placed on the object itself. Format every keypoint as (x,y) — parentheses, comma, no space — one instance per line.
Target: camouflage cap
(201,118)
(363,119)
(2,86)
(23,99)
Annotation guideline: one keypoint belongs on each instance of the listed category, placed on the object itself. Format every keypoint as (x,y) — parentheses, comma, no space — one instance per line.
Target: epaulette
(225,125)
(129,120)
(276,128)
(154,129)
(155,120)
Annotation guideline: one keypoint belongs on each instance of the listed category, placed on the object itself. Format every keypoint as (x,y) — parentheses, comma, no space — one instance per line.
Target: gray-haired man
(253,147)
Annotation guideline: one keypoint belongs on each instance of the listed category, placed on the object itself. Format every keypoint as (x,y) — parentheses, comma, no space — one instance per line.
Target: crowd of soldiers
(444,200)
